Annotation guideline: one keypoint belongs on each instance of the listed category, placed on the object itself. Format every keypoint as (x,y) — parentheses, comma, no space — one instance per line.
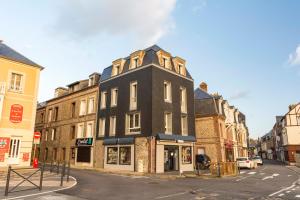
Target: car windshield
(241,159)
(256,157)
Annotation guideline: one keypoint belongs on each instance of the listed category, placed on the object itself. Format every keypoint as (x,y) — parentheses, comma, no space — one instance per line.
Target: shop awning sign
(84,142)
(16,113)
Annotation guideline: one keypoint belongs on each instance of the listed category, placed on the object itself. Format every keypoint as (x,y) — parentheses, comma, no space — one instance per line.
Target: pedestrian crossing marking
(297,196)
(242,172)
(252,173)
(281,195)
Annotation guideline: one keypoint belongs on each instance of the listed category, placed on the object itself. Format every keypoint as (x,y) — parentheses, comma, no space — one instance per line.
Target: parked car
(203,161)
(258,160)
(245,162)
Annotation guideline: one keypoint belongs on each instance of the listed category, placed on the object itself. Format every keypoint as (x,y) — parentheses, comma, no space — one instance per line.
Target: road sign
(37,135)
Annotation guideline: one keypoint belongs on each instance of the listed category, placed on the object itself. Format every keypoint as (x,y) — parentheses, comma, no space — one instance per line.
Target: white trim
(81,134)
(145,66)
(114,97)
(22,81)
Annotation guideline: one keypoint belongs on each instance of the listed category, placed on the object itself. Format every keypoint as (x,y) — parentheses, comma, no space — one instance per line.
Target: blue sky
(247,51)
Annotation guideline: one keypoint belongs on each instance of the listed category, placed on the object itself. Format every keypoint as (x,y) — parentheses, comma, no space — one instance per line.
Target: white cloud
(239,95)
(145,20)
(294,58)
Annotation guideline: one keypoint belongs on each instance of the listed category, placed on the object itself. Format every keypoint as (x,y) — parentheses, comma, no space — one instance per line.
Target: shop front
(174,153)
(84,152)
(119,154)
(229,151)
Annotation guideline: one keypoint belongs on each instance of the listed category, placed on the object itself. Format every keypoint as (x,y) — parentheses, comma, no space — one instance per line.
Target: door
(14,151)
(171,161)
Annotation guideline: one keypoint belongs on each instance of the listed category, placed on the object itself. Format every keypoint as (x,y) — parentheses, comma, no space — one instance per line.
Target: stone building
(221,130)
(146,113)
(67,123)
(19,83)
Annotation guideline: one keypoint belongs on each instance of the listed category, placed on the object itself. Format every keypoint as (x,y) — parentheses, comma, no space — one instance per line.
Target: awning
(115,141)
(162,136)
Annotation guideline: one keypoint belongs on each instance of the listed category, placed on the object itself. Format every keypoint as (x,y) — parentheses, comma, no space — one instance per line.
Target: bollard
(42,176)
(7,181)
(62,174)
(68,172)
(57,171)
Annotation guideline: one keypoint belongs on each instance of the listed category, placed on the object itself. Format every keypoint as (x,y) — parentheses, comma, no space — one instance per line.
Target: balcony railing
(2,87)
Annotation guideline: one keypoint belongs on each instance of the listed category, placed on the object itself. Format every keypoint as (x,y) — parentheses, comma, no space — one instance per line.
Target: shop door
(171,160)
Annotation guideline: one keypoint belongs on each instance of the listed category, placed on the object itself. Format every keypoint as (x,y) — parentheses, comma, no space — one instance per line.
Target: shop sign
(25,157)
(4,144)
(16,113)
(84,142)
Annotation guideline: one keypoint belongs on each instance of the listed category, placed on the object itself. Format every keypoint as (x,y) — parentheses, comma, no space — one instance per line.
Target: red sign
(25,157)
(4,144)
(2,157)
(37,135)
(16,113)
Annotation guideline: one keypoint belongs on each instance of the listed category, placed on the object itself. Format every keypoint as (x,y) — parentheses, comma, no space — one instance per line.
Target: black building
(146,113)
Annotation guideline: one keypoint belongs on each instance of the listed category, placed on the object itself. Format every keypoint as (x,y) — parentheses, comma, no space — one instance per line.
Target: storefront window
(112,155)
(186,155)
(125,155)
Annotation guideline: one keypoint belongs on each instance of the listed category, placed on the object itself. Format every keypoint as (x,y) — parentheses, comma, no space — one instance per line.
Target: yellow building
(19,81)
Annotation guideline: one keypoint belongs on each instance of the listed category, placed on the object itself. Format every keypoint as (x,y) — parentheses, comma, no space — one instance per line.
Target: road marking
(281,195)
(297,196)
(243,172)
(40,193)
(288,191)
(285,189)
(289,175)
(171,195)
(270,177)
(199,198)
(252,173)
(262,173)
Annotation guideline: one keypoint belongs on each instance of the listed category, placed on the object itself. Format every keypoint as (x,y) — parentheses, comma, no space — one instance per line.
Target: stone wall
(99,154)
(141,154)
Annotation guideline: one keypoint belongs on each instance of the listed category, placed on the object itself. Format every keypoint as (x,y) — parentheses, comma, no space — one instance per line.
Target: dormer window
(135,62)
(179,65)
(180,69)
(166,62)
(91,81)
(117,67)
(136,59)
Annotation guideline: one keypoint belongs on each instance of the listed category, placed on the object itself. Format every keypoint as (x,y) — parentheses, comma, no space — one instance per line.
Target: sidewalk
(294,168)
(51,183)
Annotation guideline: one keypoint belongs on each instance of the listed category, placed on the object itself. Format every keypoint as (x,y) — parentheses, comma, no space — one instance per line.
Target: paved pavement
(270,181)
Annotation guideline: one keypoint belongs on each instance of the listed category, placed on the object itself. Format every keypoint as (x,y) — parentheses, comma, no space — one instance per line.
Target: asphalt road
(270,181)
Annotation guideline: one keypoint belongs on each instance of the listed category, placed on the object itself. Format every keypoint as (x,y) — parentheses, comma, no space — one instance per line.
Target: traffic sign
(37,135)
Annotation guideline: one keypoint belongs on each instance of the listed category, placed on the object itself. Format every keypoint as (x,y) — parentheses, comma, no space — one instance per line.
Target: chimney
(203,86)
(292,106)
(60,91)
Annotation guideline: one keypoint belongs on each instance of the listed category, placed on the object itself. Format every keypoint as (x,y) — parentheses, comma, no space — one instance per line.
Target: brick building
(146,114)
(67,123)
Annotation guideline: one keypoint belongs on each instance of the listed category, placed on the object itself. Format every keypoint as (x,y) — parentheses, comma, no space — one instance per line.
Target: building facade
(146,114)
(19,81)
(221,129)
(67,123)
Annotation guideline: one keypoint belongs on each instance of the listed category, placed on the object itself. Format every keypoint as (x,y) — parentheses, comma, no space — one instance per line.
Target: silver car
(258,160)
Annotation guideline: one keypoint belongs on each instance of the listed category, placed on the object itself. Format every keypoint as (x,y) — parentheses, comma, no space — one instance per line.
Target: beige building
(19,81)
(68,123)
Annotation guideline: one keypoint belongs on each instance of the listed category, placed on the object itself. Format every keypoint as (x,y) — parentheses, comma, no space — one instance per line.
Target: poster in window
(125,155)
(112,155)
(186,155)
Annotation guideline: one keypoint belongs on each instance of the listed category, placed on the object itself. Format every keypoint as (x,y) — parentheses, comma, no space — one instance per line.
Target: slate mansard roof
(149,58)
(9,53)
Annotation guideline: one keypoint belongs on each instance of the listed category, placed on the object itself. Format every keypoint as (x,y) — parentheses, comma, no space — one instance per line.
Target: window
(135,62)
(89,129)
(91,81)
(103,99)
(116,70)
(168,123)
(46,135)
(91,108)
(181,69)
(16,82)
(112,126)
(73,153)
(114,97)
(73,109)
(55,113)
(50,115)
(80,131)
(53,134)
(46,154)
(298,120)
(54,156)
(112,155)
(133,95)
(167,91)
(125,155)
(133,123)
(101,126)
(42,117)
(82,107)
(186,155)
(184,126)
(72,132)
(183,100)
(166,62)
(14,148)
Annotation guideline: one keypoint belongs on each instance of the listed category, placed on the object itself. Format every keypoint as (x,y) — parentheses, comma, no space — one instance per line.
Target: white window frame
(135,62)
(46,135)
(166,62)
(112,125)
(102,127)
(82,109)
(181,68)
(114,97)
(168,122)
(184,131)
(103,100)
(183,100)
(168,91)
(91,133)
(80,127)
(14,148)
(22,82)
(53,132)
(91,107)
(50,113)
(133,99)
(116,70)
(135,129)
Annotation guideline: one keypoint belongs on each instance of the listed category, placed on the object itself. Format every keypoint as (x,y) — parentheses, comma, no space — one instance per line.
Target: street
(270,181)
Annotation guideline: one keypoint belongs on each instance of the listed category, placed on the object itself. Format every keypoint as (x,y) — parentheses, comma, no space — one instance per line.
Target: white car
(258,160)
(245,162)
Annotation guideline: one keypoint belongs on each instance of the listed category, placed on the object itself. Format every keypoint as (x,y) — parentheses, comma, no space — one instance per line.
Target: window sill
(168,101)
(113,106)
(16,91)
(133,133)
